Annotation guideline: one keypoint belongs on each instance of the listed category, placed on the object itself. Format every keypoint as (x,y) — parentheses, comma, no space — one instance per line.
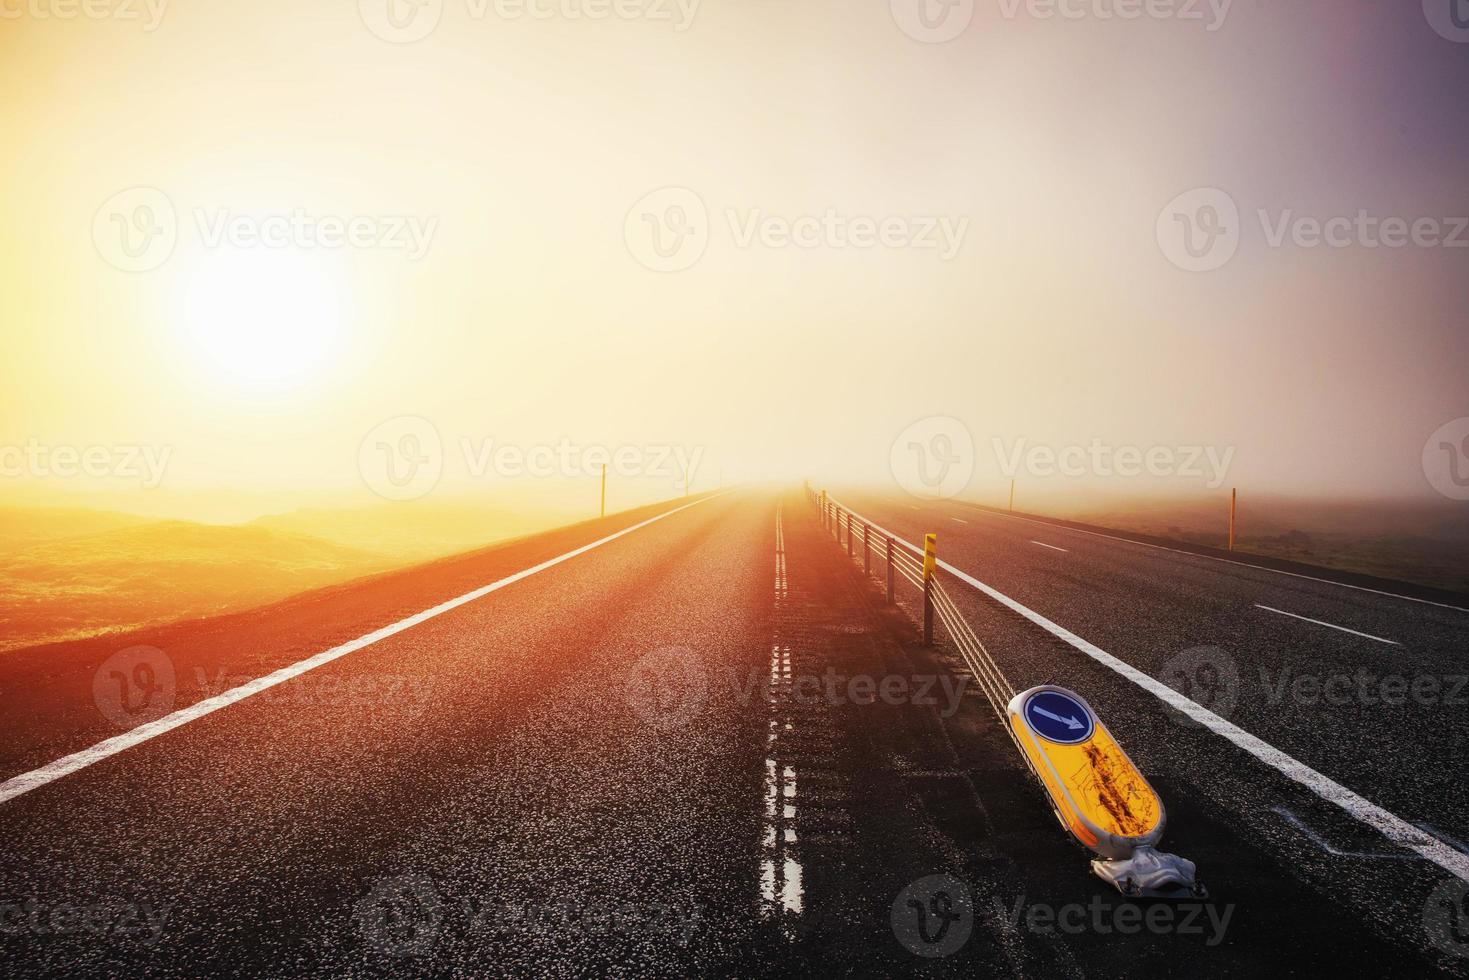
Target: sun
(265,319)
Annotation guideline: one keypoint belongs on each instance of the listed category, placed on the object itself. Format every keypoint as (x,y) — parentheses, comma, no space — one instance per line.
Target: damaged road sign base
(1098,794)
(1150,873)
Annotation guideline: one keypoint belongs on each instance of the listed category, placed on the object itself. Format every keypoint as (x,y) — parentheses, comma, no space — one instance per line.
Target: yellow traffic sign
(1099,795)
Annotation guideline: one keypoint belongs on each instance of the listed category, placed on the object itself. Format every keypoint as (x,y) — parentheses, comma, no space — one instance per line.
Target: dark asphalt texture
(572,776)
(1192,622)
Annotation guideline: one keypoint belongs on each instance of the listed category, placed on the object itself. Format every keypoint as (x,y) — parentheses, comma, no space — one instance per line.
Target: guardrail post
(890,571)
(866,550)
(849,534)
(930,558)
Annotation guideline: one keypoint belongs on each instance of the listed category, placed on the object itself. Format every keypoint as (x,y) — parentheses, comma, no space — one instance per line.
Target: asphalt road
(608,767)
(1387,720)
(483,793)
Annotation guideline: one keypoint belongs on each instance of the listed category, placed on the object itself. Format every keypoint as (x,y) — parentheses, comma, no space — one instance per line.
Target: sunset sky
(517,150)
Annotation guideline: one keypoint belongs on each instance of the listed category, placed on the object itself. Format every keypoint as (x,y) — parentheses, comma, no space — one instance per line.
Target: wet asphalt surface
(586,774)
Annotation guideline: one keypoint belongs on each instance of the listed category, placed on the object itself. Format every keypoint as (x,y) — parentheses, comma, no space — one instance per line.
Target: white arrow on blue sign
(1059,717)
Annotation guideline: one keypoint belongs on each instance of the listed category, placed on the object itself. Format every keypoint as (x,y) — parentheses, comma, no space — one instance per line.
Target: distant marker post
(1233,498)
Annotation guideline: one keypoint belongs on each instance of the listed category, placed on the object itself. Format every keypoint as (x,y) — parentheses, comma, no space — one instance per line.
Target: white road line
(1051,546)
(1319,622)
(67,765)
(1393,827)
(958,520)
(1227,561)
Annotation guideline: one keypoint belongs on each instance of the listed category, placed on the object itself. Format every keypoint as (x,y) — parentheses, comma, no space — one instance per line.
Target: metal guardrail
(1127,858)
(901,560)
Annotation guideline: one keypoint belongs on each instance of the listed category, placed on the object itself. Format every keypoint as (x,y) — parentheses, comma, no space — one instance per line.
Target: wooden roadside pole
(1233,499)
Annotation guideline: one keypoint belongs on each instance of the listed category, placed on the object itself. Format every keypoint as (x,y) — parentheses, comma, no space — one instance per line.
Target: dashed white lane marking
(67,765)
(781,889)
(1051,546)
(1391,826)
(1227,561)
(1321,622)
(957,520)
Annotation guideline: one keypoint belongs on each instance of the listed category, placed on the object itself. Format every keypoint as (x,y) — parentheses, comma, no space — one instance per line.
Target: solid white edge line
(1322,622)
(1051,546)
(1391,826)
(66,765)
(1227,561)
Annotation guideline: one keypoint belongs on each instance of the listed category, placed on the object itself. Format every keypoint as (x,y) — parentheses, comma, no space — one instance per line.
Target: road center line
(1319,622)
(65,766)
(1391,826)
(1051,546)
(958,520)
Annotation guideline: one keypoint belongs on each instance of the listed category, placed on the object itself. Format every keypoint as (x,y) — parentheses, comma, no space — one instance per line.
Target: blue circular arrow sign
(1058,717)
